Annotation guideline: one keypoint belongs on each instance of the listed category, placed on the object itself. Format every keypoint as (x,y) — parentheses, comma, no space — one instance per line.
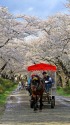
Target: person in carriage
(47,81)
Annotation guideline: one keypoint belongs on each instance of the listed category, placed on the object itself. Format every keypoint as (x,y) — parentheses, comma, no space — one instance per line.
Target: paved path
(18,112)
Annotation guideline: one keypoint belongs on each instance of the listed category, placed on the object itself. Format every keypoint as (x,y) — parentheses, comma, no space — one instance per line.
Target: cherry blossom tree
(34,40)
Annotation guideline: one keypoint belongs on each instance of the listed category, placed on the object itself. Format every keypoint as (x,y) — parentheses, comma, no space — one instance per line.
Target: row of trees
(35,40)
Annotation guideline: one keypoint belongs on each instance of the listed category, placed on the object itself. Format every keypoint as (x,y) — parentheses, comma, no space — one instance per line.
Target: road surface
(18,111)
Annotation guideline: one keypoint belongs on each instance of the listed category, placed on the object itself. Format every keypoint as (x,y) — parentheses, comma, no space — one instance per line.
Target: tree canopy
(34,40)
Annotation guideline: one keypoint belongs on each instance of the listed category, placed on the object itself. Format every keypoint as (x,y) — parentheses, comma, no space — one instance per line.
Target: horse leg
(35,103)
(32,102)
(41,104)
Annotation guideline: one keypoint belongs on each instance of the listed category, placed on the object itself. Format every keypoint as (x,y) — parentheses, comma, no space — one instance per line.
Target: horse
(37,89)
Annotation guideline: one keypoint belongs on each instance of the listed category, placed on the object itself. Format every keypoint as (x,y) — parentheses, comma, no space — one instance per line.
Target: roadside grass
(63,91)
(6,87)
(4,95)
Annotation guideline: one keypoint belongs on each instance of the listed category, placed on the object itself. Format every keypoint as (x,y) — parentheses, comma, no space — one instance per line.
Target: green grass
(4,95)
(63,91)
(6,87)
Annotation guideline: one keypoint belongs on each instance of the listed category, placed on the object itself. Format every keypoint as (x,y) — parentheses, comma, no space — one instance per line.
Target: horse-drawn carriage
(40,95)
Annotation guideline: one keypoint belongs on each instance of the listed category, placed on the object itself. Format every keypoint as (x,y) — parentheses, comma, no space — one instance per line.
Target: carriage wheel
(53,102)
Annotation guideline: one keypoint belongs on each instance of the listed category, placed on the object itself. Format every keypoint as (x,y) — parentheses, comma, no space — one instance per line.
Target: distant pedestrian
(19,86)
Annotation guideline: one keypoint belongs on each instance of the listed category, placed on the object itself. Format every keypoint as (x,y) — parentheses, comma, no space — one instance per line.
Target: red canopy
(42,66)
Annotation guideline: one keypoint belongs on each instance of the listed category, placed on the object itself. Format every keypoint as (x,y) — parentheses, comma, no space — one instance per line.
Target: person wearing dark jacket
(47,81)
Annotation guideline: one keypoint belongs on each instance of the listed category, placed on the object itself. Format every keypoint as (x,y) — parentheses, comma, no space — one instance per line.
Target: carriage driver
(47,81)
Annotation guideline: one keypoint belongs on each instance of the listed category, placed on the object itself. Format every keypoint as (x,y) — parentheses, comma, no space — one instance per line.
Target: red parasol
(42,66)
